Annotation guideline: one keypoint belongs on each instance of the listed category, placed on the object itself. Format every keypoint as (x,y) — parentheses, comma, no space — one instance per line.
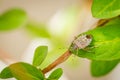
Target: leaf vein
(106,7)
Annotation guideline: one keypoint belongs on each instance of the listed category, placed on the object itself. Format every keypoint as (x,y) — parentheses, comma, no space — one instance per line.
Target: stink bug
(82,41)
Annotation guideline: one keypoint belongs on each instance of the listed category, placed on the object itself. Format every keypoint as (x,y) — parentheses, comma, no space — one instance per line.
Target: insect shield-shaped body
(82,42)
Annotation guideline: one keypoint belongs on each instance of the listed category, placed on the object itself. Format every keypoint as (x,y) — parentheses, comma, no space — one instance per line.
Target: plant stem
(102,22)
(58,61)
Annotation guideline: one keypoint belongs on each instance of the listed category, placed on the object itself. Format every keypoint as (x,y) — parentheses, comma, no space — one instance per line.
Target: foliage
(101,68)
(40,55)
(23,71)
(56,74)
(103,51)
(12,19)
(38,30)
(102,39)
(105,8)
(104,48)
(26,71)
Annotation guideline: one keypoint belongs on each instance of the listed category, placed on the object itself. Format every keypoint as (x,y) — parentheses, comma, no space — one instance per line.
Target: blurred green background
(24,25)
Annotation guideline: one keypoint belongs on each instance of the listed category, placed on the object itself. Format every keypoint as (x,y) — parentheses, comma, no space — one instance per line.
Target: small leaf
(105,43)
(12,19)
(105,8)
(101,68)
(56,74)
(39,55)
(24,71)
(38,30)
(6,73)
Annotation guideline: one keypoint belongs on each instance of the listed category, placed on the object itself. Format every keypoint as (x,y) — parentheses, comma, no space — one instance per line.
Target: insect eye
(88,36)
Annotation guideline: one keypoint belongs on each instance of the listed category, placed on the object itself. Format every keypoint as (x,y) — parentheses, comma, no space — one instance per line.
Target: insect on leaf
(105,43)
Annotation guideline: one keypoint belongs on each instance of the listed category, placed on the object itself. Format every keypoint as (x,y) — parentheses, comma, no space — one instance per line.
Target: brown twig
(102,22)
(60,60)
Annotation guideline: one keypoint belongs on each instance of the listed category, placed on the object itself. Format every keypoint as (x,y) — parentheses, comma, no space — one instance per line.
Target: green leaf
(6,73)
(105,8)
(101,68)
(39,55)
(38,30)
(25,71)
(12,19)
(56,74)
(105,43)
